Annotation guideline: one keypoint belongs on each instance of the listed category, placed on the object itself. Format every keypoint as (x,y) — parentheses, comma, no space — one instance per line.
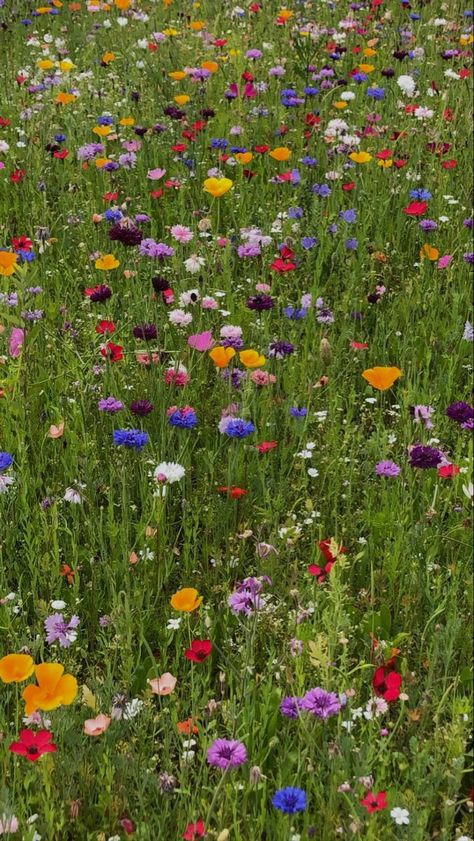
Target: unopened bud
(224,835)
(325,351)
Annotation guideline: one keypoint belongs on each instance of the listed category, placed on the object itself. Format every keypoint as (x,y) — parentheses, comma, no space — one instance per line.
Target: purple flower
(280,349)
(260,302)
(141,407)
(423,413)
(147,332)
(425,457)
(227,754)
(58,629)
(387,468)
(320,703)
(110,405)
(460,412)
(290,707)
(349,216)
(158,250)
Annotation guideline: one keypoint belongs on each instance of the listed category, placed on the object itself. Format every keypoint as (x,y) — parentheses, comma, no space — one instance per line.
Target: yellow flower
(360,157)
(177,75)
(54,689)
(102,131)
(429,252)
(182,99)
(251,358)
(107,262)
(366,68)
(217,186)
(381,378)
(170,32)
(186,600)
(64,98)
(66,65)
(16,667)
(285,14)
(221,356)
(243,157)
(127,121)
(45,64)
(8,262)
(234,52)
(100,162)
(385,164)
(369,52)
(281,153)
(340,104)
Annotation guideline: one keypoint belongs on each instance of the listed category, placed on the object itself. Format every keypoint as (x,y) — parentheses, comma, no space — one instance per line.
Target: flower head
(382,378)
(290,800)
(33,744)
(54,688)
(16,667)
(227,754)
(186,600)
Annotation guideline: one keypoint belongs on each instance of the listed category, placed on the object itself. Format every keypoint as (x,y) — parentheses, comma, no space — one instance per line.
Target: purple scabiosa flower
(147,332)
(236,376)
(260,302)
(321,190)
(424,457)
(126,233)
(280,349)
(141,407)
(58,629)
(321,703)
(309,242)
(110,405)
(133,439)
(249,249)
(227,754)
(104,621)
(460,412)
(89,151)
(349,216)
(233,341)
(468,257)
(387,468)
(351,244)
(295,314)
(290,707)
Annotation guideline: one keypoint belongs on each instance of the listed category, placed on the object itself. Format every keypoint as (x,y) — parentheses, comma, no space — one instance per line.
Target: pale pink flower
(17,337)
(201,341)
(96,726)
(163,685)
(209,303)
(181,233)
(156,174)
(263,287)
(262,378)
(8,824)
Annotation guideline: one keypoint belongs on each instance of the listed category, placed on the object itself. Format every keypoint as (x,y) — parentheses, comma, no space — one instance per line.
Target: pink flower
(209,303)
(8,825)
(180,233)
(156,174)
(163,685)
(263,287)
(96,726)
(444,262)
(262,378)
(17,337)
(222,242)
(201,341)
(147,358)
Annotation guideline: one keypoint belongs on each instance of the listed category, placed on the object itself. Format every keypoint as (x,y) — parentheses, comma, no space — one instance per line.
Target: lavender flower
(110,405)
(58,629)
(157,250)
(320,703)
(387,468)
(291,707)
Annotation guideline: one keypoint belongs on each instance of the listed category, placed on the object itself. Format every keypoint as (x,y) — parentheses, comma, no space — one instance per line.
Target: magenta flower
(227,754)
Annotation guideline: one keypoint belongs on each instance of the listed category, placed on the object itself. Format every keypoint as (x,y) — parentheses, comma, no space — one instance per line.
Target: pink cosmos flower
(156,174)
(201,341)
(96,726)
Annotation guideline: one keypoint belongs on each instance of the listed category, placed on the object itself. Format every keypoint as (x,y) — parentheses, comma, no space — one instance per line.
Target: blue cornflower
(311,91)
(60,138)
(185,418)
(26,256)
(290,800)
(321,190)
(348,215)
(309,242)
(219,143)
(105,120)
(295,412)
(238,428)
(376,93)
(307,160)
(295,314)
(133,438)
(113,215)
(352,244)
(295,212)
(421,194)
(6,461)
(235,149)
(359,78)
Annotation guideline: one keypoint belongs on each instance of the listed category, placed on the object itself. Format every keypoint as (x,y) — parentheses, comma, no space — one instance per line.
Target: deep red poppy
(401,162)
(111,196)
(451,164)
(235,493)
(105,327)
(194,831)
(22,243)
(33,744)
(386,683)
(179,147)
(375,802)
(447,471)
(114,353)
(282,266)
(384,155)
(220,42)
(266,446)
(127,825)
(321,573)
(17,175)
(325,546)
(156,194)
(351,185)
(261,149)
(199,651)
(62,155)
(359,345)
(416,208)
(4,122)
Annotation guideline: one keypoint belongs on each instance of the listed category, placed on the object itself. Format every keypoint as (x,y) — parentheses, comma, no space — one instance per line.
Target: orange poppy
(429,252)
(16,667)
(251,358)
(186,600)
(382,378)
(107,262)
(281,153)
(54,688)
(187,727)
(8,261)
(221,356)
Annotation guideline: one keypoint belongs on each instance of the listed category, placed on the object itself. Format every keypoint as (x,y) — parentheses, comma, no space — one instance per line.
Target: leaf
(318,652)
(88,698)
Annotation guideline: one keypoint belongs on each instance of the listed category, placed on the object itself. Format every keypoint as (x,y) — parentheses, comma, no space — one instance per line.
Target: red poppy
(199,651)
(464,73)
(447,471)
(384,155)
(220,42)
(235,493)
(114,353)
(179,147)
(351,185)
(266,446)
(4,122)
(255,7)
(416,208)
(261,149)
(359,345)
(194,831)
(156,194)
(325,546)
(152,47)
(400,163)
(33,744)
(61,155)
(448,114)
(111,196)
(386,683)
(22,243)
(321,573)
(247,77)
(105,327)
(375,802)
(17,175)
(451,164)
(282,266)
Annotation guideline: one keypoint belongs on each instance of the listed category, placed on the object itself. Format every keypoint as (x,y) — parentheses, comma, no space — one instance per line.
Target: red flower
(451,164)
(110,196)
(156,194)
(386,683)
(194,831)
(266,446)
(199,651)
(359,345)
(33,744)
(127,825)
(351,185)
(112,352)
(17,175)
(416,208)
(282,266)
(401,163)
(4,122)
(234,492)
(179,147)
(321,573)
(375,802)
(384,155)
(261,149)
(105,327)
(325,546)
(464,73)
(22,243)
(220,42)
(448,471)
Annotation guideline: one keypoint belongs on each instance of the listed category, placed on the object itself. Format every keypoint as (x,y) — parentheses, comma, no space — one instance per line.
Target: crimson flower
(104,327)
(359,345)
(235,493)
(22,243)
(321,573)
(448,471)
(261,149)
(266,446)
(349,186)
(199,651)
(282,266)
(375,802)
(386,683)
(416,208)
(114,353)
(64,153)
(33,744)
(194,831)
(110,196)
(325,546)
(17,175)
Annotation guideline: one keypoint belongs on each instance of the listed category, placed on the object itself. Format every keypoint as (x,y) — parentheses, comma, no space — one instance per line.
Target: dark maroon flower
(99,293)
(141,407)
(127,234)
(425,457)
(160,284)
(460,412)
(260,302)
(147,332)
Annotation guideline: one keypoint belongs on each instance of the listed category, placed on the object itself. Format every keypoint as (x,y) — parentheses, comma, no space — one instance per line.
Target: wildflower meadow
(236,420)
